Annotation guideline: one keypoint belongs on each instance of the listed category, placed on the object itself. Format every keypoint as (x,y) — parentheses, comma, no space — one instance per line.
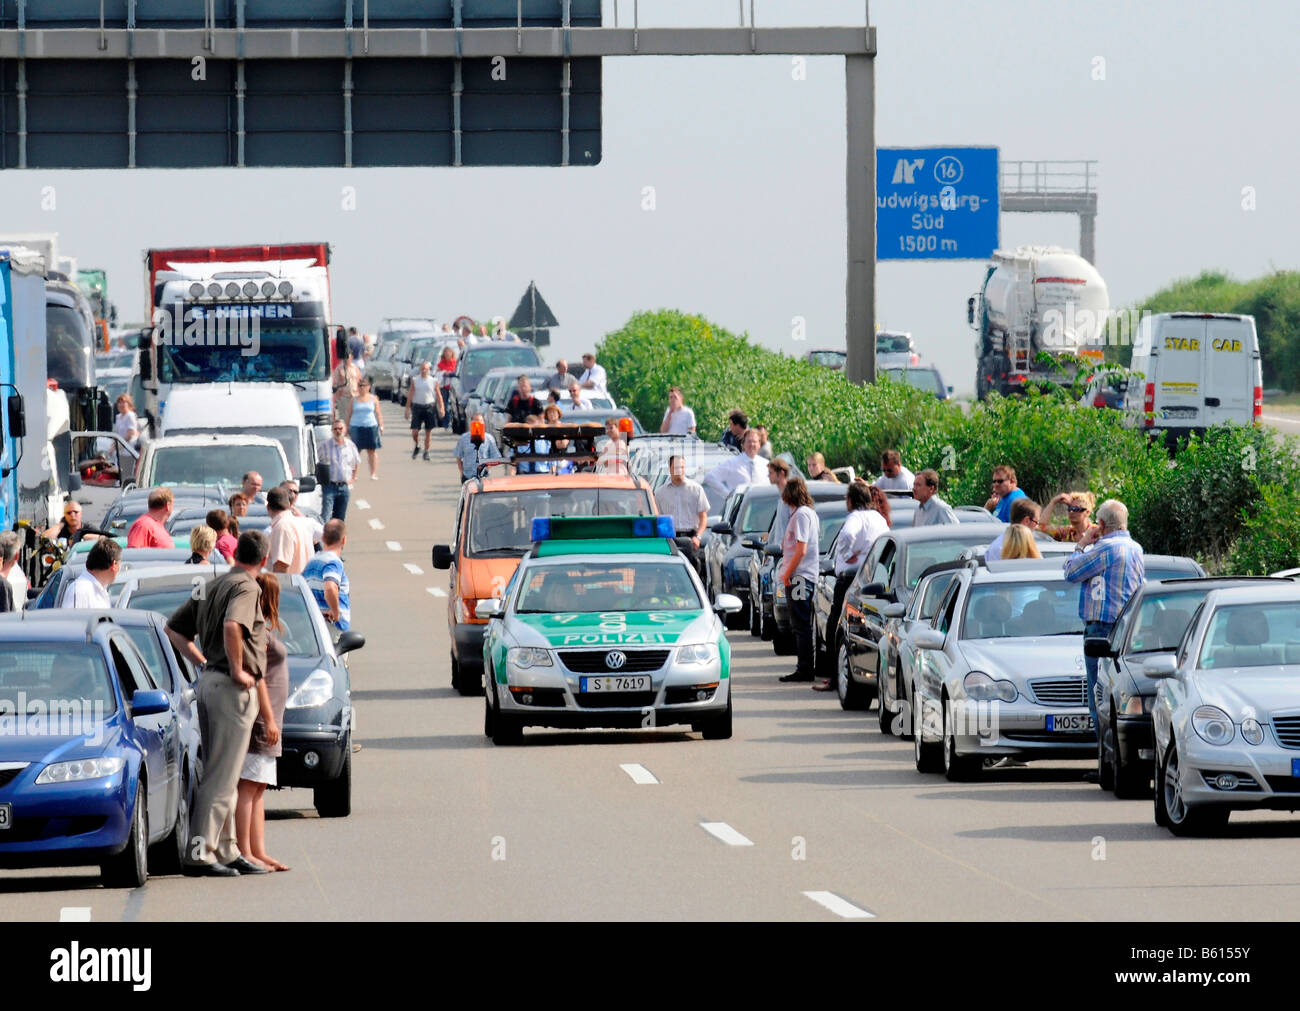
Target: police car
(605,624)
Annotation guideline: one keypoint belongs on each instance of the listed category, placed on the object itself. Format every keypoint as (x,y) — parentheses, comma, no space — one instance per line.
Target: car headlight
(524,657)
(1212,725)
(77,772)
(315,691)
(982,688)
(1252,731)
(705,652)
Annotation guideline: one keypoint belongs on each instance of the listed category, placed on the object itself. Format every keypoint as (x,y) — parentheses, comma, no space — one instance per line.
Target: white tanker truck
(1036,299)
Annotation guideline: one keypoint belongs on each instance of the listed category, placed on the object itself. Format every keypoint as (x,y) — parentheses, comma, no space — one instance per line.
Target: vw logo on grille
(615,659)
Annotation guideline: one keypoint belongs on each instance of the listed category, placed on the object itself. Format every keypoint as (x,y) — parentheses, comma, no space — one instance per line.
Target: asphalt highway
(808,813)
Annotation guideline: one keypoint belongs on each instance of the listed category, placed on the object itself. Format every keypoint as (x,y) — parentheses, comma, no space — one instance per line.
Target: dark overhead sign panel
(190,108)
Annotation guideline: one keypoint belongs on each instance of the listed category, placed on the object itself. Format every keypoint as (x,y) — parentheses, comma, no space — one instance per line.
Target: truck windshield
(68,354)
(275,354)
(214,463)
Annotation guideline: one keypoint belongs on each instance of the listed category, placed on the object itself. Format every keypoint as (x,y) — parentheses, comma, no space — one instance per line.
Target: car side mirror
(307,483)
(873,590)
(928,638)
(893,610)
(773,549)
(490,608)
(827,566)
(149,703)
(74,481)
(753,543)
(727,603)
(721,528)
(441,556)
(1159,667)
(349,641)
(16,416)
(1098,648)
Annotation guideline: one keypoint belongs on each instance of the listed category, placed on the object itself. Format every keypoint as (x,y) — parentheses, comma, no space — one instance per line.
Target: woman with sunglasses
(1078,510)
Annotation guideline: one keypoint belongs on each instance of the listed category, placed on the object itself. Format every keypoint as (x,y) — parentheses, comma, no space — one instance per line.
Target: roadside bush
(1270,538)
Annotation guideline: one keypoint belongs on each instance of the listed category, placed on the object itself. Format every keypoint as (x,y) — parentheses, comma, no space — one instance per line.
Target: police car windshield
(1005,610)
(579,587)
(501,522)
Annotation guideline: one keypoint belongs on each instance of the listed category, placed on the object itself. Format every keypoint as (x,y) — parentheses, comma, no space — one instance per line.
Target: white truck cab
(1198,370)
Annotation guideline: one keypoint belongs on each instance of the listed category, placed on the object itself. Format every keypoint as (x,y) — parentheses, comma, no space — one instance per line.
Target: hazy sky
(747,166)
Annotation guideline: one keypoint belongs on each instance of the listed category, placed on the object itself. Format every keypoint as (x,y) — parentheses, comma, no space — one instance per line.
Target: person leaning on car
(231,631)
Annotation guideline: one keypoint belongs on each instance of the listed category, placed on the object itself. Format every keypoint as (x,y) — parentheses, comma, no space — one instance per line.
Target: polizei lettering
(609,638)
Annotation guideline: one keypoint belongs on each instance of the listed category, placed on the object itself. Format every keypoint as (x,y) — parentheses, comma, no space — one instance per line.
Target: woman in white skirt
(264,746)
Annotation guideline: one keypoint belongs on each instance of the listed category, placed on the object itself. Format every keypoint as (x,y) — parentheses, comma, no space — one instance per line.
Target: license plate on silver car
(6,816)
(1080,724)
(616,683)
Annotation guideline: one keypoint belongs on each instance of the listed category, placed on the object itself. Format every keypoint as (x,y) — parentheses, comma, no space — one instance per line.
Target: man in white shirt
(894,476)
(684,500)
(861,527)
(593,375)
(931,510)
(678,419)
(576,401)
(290,544)
(1024,511)
(90,589)
(10,570)
(798,571)
(746,468)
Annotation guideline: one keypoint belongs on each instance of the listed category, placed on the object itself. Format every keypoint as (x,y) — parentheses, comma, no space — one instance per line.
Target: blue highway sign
(936,203)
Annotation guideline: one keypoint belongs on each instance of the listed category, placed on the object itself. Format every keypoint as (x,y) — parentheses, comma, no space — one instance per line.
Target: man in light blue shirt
(469,456)
(328,579)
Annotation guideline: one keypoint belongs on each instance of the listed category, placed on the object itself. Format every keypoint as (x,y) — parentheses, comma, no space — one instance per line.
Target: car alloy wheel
(130,868)
(958,768)
(927,756)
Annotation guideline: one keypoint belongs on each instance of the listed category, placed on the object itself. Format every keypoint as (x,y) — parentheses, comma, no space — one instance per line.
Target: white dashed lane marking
(393,545)
(639,773)
(722,831)
(74,914)
(436,591)
(414,570)
(842,908)
(376,525)
(361,503)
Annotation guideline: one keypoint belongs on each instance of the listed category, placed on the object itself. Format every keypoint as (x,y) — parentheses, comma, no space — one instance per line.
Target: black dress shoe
(796,676)
(241,866)
(211,871)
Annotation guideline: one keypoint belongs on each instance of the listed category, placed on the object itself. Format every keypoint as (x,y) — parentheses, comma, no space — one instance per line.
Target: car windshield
(298,632)
(891,344)
(831,359)
(477,361)
(501,522)
(1252,635)
(925,603)
(115,360)
(1162,619)
(922,555)
(164,600)
(922,379)
(214,463)
(424,350)
(288,438)
(1002,610)
(756,515)
(581,587)
(49,679)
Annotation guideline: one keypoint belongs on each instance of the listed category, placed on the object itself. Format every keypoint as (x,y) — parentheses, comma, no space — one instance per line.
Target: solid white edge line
(414,570)
(393,545)
(723,832)
(639,773)
(840,907)
(74,914)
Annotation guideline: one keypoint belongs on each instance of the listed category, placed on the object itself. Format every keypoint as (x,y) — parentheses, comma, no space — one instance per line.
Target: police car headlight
(525,657)
(76,772)
(1252,731)
(315,691)
(1212,725)
(705,652)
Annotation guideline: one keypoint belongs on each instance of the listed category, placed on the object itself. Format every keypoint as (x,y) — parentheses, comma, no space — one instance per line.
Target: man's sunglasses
(1076,509)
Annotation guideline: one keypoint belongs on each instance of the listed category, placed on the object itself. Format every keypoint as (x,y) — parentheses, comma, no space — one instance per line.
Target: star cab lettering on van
(1182,344)
(1226,344)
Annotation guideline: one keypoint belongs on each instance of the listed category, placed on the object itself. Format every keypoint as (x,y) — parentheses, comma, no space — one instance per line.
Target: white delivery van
(1199,369)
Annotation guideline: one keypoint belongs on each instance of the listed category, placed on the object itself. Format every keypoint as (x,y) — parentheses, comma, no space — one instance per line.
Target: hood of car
(482,578)
(27,740)
(1025,658)
(637,628)
(1262,689)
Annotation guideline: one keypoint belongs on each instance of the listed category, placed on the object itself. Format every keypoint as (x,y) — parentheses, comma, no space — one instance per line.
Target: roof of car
(63,625)
(945,531)
(528,482)
(1280,590)
(226,439)
(166,574)
(197,406)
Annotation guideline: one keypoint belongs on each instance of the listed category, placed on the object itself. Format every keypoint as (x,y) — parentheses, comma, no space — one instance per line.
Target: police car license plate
(6,816)
(616,683)
(1070,724)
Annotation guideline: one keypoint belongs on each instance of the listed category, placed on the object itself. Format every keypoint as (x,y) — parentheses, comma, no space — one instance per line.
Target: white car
(221,460)
(1000,671)
(1227,712)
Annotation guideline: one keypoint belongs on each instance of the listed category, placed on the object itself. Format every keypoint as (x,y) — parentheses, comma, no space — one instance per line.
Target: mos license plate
(1080,724)
(616,683)
(6,816)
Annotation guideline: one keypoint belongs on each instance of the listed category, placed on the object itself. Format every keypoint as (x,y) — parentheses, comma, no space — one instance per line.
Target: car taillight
(1149,403)
(1258,411)
(1098,401)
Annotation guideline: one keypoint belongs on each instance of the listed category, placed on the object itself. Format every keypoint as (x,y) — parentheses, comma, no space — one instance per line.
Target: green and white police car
(605,624)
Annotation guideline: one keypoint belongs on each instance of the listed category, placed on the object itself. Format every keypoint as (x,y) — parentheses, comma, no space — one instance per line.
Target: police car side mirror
(727,603)
(486,609)
(149,703)
(441,556)
(827,566)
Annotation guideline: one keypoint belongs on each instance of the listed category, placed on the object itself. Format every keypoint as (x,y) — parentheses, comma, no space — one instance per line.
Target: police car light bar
(563,528)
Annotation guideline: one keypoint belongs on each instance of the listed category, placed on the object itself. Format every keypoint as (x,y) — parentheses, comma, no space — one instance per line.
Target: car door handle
(1211,401)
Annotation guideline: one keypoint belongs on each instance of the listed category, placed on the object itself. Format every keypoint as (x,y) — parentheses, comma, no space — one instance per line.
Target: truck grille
(1060,692)
(1287,729)
(592,661)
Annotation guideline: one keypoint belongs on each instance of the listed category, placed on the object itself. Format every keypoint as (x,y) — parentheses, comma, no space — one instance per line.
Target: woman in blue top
(367,425)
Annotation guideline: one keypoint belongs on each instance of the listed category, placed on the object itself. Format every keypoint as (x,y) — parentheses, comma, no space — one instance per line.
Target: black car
(831,515)
(746,513)
(474,363)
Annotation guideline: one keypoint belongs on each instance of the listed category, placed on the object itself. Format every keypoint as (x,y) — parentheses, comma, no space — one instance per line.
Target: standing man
(678,418)
(356,345)
(340,454)
(313,528)
(778,473)
(10,571)
(593,375)
(1005,491)
(329,580)
(471,449)
(1109,567)
(231,651)
(423,406)
(344,382)
(290,546)
(893,475)
(739,425)
(764,443)
(576,401)
(684,500)
(90,589)
(745,468)
(562,377)
(1024,512)
(522,403)
(931,510)
(251,486)
(799,573)
(150,530)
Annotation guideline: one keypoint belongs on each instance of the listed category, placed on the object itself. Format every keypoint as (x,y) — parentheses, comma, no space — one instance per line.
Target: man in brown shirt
(226,617)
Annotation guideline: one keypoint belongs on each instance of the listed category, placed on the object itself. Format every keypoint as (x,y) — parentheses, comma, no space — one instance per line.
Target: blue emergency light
(547,528)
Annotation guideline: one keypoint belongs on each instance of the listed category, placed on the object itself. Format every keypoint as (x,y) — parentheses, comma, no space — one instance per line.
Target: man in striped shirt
(1109,568)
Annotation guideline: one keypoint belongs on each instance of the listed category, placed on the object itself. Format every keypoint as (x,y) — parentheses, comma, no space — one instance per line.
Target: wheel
(169,856)
(766,625)
(783,643)
(463,681)
(755,616)
(738,620)
(455,671)
(851,693)
(506,729)
(958,768)
(1180,818)
(718,728)
(489,714)
(927,756)
(1105,767)
(130,868)
(1132,781)
(334,799)
(905,704)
